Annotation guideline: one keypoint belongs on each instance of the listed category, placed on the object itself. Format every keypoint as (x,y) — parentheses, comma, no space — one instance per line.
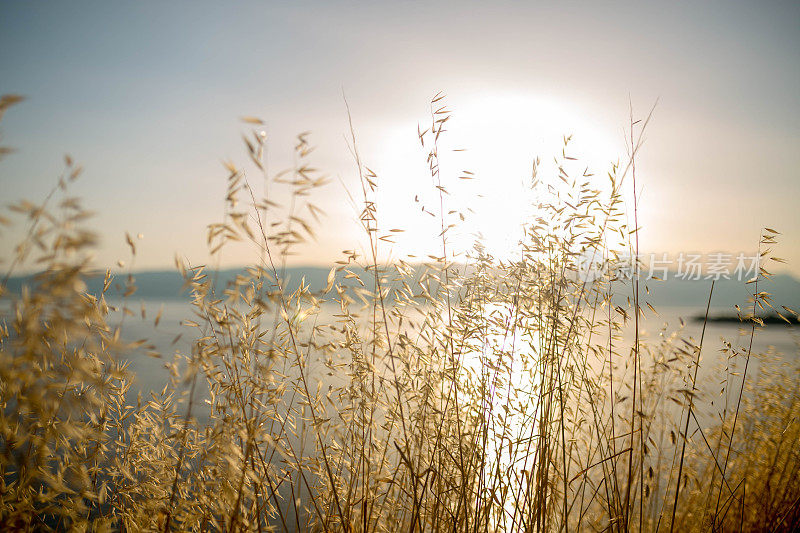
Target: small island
(772,318)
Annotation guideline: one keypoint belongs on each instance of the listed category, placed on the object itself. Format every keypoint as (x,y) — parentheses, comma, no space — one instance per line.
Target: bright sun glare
(501,135)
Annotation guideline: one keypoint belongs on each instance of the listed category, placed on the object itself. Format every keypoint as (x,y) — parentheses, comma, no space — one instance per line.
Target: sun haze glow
(486,158)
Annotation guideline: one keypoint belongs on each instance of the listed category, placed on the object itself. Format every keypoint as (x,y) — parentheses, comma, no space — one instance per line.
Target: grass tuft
(467,393)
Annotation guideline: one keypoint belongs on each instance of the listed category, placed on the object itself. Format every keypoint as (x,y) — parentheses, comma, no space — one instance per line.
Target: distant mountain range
(672,292)
(675,292)
(169,284)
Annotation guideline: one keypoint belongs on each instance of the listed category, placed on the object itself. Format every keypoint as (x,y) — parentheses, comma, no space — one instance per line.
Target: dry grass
(473,396)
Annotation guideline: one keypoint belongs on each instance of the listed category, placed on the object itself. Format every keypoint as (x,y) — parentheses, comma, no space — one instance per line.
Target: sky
(148,97)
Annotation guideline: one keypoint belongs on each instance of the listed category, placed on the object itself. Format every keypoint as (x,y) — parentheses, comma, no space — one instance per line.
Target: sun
(485,158)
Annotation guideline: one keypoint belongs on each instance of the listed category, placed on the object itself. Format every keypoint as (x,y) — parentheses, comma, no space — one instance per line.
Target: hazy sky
(148,96)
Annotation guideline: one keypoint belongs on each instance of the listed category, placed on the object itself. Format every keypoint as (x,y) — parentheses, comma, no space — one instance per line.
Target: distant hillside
(169,285)
(673,292)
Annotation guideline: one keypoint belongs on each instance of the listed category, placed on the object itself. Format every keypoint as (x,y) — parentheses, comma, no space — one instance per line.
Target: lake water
(172,335)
